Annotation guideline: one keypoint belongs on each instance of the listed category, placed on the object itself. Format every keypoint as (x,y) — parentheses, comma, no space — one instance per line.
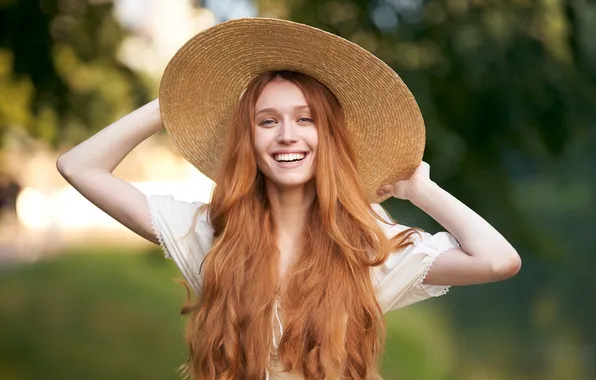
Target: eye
(305,120)
(266,123)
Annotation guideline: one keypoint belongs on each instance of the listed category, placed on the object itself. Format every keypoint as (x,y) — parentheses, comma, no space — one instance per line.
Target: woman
(293,262)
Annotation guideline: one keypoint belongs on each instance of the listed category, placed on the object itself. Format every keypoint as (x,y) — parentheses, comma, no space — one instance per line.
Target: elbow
(65,166)
(507,266)
(62,166)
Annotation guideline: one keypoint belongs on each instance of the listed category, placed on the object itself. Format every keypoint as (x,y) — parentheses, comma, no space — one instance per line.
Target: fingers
(384,190)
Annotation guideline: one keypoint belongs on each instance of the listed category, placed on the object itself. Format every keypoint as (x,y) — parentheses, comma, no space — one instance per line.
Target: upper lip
(289,152)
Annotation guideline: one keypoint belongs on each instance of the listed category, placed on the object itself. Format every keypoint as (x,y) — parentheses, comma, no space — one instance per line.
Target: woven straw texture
(205,78)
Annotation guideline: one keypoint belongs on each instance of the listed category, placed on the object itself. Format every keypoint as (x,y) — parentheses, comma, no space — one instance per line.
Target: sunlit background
(508,92)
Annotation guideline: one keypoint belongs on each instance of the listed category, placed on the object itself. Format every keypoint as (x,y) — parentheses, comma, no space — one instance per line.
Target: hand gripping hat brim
(204,80)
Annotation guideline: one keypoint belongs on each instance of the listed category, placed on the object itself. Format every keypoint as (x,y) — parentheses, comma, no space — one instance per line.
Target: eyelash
(265,122)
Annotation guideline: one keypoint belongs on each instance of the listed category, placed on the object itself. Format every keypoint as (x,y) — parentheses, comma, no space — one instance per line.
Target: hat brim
(204,80)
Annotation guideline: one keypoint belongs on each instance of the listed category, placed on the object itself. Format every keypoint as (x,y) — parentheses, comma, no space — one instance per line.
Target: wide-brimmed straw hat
(203,82)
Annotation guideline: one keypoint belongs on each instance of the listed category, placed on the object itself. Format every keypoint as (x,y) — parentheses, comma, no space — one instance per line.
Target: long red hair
(333,325)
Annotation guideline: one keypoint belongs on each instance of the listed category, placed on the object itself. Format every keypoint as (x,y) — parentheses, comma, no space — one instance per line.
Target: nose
(287,133)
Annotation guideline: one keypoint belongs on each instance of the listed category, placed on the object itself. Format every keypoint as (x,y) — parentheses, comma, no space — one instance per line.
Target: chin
(289,182)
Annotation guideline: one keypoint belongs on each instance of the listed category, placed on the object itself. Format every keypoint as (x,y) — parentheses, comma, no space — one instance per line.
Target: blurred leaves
(505,87)
(508,93)
(60,78)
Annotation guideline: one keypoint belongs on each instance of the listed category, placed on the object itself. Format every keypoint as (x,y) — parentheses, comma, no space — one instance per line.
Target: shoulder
(399,281)
(389,226)
(176,220)
(177,213)
(184,233)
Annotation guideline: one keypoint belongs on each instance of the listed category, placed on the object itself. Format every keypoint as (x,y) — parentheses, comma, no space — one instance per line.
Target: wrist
(154,116)
(420,191)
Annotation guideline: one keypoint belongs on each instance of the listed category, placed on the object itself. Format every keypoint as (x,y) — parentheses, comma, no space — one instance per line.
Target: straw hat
(205,78)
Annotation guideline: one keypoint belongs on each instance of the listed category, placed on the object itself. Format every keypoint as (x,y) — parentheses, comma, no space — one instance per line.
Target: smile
(289,157)
(289,160)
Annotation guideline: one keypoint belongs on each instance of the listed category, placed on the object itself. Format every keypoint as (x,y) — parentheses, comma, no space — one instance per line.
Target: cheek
(260,145)
(312,138)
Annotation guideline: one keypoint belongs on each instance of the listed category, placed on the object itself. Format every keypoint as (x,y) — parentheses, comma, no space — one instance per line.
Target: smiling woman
(293,261)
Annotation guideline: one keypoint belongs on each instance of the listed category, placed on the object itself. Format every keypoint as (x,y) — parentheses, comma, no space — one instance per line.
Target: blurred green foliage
(60,77)
(105,316)
(507,89)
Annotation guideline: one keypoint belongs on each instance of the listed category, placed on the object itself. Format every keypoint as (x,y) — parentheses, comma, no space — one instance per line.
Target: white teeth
(286,157)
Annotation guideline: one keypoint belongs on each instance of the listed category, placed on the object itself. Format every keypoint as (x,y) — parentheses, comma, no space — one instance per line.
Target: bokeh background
(508,91)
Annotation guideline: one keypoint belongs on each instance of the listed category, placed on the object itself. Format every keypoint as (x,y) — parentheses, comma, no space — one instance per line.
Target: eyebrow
(298,108)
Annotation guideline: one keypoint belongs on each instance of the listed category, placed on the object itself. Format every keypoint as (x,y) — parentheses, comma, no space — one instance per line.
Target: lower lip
(290,165)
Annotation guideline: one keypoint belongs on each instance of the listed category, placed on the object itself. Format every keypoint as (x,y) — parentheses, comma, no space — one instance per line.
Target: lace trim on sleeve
(433,290)
(157,231)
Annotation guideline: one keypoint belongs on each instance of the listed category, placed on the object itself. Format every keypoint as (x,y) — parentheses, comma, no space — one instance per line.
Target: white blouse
(398,282)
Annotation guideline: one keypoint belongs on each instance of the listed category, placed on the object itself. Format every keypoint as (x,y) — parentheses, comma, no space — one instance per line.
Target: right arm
(88,168)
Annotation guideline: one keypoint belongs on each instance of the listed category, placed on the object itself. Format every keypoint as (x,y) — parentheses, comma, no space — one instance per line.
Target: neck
(289,206)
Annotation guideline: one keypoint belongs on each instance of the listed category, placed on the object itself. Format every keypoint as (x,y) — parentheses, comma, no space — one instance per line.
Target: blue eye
(266,122)
(305,120)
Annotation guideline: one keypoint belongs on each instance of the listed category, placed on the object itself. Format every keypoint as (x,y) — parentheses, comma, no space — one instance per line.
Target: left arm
(485,255)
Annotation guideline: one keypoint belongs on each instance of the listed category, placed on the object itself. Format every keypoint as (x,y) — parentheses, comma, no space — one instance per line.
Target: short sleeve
(172,222)
(399,281)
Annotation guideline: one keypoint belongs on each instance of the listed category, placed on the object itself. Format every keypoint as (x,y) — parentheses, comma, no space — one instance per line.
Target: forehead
(280,93)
